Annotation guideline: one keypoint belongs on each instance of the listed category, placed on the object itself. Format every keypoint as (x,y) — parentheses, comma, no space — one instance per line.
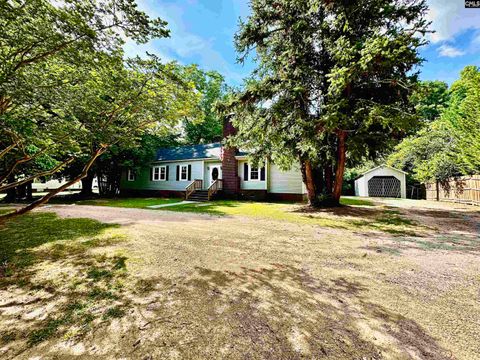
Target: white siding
(360,189)
(250,184)
(172,183)
(285,182)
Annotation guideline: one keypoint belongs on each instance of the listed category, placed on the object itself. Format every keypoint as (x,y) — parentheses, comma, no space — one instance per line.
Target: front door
(215,173)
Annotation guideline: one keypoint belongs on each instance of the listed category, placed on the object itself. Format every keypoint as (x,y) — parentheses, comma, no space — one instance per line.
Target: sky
(202,32)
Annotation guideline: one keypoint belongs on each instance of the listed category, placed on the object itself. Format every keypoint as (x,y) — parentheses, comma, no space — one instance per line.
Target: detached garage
(382,181)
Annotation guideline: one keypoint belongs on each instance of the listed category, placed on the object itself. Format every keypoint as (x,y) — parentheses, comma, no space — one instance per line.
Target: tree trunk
(309,181)
(29,191)
(22,191)
(11,195)
(319,179)
(328,179)
(87,186)
(11,192)
(341,158)
(51,194)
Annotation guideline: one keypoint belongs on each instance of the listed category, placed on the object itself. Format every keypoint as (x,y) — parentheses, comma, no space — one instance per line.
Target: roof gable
(381,167)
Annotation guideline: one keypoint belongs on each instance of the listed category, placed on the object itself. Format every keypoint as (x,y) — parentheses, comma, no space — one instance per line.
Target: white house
(176,169)
(382,181)
(198,171)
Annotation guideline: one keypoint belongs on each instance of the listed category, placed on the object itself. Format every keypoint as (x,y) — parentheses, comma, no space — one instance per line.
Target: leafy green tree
(110,165)
(66,92)
(211,85)
(449,146)
(463,117)
(160,95)
(427,154)
(42,43)
(430,99)
(117,102)
(333,82)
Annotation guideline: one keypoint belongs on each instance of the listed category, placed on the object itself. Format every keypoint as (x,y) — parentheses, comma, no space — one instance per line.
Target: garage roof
(382,166)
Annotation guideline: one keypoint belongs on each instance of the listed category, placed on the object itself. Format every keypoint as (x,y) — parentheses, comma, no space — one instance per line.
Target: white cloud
(450,18)
(450,51)
(476,40)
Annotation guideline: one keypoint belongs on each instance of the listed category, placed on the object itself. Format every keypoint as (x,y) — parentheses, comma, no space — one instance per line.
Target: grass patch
(355,201)
(20,237)
(114,313)
(391,222)
(391,217)
(98,274)
(98,293)
(270,210)
(88,297)
(445,242)
(264,210)
(129,202)
(46,332)
(84,294)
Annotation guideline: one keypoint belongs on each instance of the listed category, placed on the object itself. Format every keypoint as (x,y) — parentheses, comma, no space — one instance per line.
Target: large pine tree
(332,83)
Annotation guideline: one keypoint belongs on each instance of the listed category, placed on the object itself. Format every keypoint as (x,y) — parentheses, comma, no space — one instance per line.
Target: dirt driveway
(209,287)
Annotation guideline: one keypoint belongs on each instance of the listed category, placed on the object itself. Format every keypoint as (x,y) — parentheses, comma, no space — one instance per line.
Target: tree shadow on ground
(363,219)
(20,235)
(280,312)
(52,283)
(210,208)
(450,230)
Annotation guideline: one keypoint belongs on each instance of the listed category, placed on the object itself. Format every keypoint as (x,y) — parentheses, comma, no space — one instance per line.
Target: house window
(184,172)
(163,173)
(254,173)
(130,175)
(159,173)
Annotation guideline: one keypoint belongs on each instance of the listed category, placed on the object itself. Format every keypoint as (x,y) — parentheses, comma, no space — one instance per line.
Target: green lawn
(271,210)
(89,291)
(377,219)
(226,207)
(130,202)
(282,211)
(357,213)
(356,201)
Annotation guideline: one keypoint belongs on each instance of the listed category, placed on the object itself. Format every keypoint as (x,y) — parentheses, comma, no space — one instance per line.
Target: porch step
(199,195)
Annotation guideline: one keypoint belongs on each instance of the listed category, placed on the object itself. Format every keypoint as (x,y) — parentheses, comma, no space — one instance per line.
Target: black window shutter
(189,172)
(262,174)
(151,173)
(245,172)
(178,172)
(166,170)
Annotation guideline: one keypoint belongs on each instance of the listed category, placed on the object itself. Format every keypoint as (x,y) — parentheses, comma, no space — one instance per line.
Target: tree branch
(7,150)
(52,193)
(33,177)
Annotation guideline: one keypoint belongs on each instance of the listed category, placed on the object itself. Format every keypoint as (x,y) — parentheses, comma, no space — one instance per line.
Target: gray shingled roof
(206,151)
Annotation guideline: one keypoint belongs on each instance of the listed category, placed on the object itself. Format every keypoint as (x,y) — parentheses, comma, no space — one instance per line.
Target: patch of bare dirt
(200,286)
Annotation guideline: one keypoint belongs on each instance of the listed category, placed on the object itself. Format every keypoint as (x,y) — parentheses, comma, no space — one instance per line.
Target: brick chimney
(231,183)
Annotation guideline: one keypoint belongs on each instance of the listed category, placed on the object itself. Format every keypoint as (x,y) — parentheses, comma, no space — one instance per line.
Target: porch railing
(196,184)
(215,187)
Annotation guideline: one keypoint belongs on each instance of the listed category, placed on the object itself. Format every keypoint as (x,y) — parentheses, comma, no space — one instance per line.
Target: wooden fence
(465,190)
